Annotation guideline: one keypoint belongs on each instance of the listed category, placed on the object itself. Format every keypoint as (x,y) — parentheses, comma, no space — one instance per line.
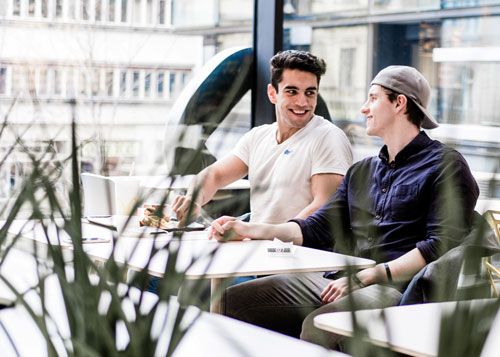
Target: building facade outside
(126,60)
(119,59)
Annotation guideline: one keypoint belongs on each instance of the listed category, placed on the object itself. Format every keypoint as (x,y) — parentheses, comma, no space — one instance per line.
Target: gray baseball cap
(410,82)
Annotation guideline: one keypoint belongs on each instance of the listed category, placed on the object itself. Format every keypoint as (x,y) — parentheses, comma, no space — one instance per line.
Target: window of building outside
(59,8)
(57,74)
(147,84)
(42,80)
(84,10)
(108,83)
(162,12)
(136,83)
(123,83)
(160,84)
(84,83)
(99,11)
(44,8)
(31,8)
(111,10)
(124,11)
(16,8)
(3,80)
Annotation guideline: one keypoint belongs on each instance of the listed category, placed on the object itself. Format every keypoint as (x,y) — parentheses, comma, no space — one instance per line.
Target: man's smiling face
(295,99)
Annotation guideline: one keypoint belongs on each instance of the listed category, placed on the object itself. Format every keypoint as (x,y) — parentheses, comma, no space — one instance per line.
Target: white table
(210,335)
(206,258)
(413,329)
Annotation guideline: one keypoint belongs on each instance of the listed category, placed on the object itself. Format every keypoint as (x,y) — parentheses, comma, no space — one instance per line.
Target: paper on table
(278,248)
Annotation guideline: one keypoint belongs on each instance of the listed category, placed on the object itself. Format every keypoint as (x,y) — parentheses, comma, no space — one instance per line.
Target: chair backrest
(460,273)
(493,218)
(492,263)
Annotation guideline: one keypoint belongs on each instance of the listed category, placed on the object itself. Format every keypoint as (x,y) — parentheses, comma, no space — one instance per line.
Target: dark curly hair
(292,59)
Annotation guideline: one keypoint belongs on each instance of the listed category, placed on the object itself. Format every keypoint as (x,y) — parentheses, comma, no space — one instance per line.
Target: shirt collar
(420,142)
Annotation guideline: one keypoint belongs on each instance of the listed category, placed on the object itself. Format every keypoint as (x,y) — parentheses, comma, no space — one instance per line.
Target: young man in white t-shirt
(294,164)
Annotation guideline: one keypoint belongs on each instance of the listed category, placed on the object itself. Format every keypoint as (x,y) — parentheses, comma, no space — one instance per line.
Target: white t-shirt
(280,174)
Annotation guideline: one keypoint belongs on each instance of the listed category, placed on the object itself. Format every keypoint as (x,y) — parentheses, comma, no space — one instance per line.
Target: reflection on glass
(233,12)
(3,74)
(159,84)
(448,4)
(135,83)
(318,7)
(404,5)
(344,84)
(193,12)
(124,11)
(111,10)
(468,83)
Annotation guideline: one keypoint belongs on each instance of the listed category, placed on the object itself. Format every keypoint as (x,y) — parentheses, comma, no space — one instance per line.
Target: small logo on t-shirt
(287,152)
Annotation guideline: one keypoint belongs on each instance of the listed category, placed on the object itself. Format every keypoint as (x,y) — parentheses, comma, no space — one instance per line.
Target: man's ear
(271,93)
(401,102)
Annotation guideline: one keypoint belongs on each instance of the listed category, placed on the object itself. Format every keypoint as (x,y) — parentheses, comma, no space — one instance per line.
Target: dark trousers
(288,303)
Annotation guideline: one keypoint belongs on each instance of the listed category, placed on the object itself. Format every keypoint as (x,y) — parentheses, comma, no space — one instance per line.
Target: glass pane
(448,4)
(58,6)
(135,83)
(124,10)
(3,79)
(147,84)
(108,83)
(45,8)
(468,81)
(123,83)
(233,12)
(159,84)
(111,10)
(16,9)
(137,12)
(194,12)
(404,5)
(161,11)
(31,7)
(344,84)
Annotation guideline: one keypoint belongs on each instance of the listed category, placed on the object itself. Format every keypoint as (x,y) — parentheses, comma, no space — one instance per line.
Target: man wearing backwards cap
(392,208)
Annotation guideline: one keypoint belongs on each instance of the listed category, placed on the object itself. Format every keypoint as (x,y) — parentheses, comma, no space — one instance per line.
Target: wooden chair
(492,264)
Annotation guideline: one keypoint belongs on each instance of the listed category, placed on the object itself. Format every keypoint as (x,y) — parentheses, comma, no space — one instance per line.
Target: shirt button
(377,216)
(384,189)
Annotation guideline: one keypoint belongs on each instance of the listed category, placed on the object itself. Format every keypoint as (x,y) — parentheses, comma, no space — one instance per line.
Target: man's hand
(181,206)
(337,289)
(228,228)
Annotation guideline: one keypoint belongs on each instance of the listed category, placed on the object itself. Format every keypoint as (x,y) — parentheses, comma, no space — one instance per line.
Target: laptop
(108,195)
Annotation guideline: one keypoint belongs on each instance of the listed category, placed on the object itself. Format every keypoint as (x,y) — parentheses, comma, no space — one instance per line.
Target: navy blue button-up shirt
(425,198)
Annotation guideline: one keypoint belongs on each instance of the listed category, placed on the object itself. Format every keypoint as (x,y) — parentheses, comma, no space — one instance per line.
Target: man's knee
(311,333)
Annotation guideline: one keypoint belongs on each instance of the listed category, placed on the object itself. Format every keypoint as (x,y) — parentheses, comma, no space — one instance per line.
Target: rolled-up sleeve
(451,207)
(320,229)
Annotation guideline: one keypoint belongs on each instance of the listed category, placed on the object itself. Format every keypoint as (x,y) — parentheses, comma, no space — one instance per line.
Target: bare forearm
(287,232)
(203,187)
(309,209)
(401,269)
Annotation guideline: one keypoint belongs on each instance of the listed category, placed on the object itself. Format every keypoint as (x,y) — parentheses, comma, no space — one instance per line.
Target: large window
(455,44)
